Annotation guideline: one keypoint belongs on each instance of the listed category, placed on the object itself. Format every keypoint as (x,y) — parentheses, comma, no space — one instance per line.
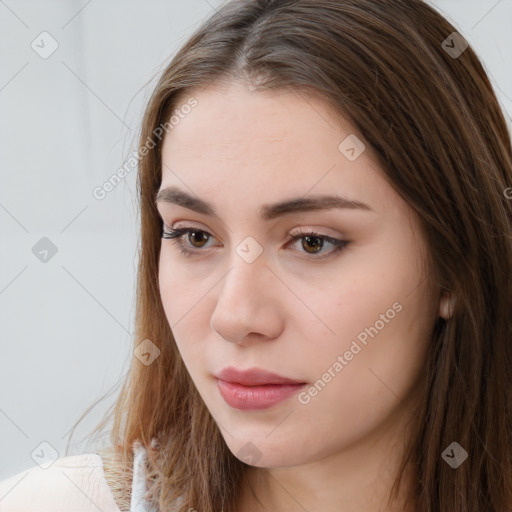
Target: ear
(446,305)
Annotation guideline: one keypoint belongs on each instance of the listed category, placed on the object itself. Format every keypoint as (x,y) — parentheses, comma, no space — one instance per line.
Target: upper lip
(253,377)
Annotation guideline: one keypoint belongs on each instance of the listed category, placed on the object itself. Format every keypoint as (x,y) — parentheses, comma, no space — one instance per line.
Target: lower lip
(255,397)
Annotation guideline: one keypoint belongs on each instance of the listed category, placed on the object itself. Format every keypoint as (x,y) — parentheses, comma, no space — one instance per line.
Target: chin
(262,452)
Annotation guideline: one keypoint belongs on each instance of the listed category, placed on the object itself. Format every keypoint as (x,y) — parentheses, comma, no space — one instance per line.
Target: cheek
(180,293)
(374,377)
(185,304)
(173,294)
(168,284)
(377,315)
(343,302)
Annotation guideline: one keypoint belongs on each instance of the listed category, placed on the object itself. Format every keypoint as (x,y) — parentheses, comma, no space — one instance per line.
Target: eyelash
(176,235)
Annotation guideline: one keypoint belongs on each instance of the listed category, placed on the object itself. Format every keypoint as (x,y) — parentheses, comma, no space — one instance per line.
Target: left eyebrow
(179,197)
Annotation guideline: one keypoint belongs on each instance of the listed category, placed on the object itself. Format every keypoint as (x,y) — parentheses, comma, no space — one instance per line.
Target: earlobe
(446,305)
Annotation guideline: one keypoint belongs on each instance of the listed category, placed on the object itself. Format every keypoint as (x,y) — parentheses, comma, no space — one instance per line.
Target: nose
(248,305)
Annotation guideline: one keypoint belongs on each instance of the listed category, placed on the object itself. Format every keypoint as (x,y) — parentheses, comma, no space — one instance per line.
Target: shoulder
(74,483)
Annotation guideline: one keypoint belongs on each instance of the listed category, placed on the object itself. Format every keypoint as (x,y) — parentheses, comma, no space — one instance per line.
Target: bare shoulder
(73,483)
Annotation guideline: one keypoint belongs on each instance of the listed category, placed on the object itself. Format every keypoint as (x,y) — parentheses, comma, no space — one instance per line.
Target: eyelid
(191,227)
(321,231)
(292,233)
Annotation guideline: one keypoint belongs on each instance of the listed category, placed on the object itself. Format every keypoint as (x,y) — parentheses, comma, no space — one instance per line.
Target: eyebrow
(174,195)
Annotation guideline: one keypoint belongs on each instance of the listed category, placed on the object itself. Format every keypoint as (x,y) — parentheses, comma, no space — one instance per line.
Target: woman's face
(349,324)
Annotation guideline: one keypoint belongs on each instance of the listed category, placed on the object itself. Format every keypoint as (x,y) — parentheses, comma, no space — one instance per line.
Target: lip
(253,377)
(255,388)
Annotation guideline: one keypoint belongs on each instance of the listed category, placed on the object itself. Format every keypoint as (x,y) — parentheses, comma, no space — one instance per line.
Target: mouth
(255,388)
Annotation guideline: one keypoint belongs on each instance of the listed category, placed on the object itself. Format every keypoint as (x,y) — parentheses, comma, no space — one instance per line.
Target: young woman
(325,279)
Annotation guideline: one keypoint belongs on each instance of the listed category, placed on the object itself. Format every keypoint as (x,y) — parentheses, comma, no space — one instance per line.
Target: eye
(313,243)
(195,236)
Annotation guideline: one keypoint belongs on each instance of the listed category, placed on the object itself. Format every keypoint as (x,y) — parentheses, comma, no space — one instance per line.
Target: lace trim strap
(138,502)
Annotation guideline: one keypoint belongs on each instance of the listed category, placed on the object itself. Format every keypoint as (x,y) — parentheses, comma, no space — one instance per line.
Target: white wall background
(67,123)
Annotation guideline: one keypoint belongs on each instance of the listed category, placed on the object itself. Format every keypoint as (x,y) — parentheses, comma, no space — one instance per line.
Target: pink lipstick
(255,388)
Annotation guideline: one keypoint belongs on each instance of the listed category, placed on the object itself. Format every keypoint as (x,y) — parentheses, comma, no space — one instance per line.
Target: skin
(288,312)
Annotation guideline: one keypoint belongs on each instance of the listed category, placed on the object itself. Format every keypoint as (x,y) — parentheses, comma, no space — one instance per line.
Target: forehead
(235,120)
(233,124)
(266,147)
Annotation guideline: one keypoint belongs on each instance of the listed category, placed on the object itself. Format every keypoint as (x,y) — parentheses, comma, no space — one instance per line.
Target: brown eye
(312,242)
(199,237)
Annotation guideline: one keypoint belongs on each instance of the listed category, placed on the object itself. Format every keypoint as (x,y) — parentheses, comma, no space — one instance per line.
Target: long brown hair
(434,124)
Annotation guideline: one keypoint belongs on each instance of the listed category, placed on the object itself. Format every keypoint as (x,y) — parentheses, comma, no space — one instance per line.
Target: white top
(75,483)
(138,503)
